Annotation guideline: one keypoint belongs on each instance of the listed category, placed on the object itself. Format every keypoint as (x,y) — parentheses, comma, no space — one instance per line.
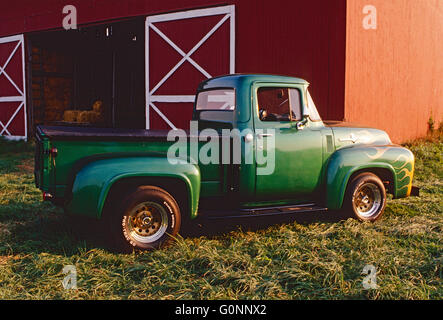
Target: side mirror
(262,114)
(301,124)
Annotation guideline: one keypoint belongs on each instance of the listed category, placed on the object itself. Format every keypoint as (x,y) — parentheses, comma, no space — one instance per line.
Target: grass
(314,257)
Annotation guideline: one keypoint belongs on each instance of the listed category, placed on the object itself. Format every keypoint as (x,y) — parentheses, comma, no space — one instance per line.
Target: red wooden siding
(291,37)
(304,39)
(394,73)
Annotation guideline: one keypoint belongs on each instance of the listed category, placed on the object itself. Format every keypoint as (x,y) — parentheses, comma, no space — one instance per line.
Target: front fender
(93,182)
(345,162)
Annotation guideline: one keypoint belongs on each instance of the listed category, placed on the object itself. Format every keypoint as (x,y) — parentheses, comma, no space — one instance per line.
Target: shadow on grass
(40,228)
(210,228)
(49,232)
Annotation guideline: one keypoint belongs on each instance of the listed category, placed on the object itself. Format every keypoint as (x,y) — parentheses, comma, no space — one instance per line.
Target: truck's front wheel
(365,197)
(148,218)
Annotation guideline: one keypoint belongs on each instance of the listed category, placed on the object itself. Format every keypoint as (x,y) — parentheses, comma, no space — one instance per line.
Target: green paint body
(311,165)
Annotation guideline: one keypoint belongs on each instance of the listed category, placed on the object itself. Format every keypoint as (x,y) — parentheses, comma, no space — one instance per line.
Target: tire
(147,219)
(365,197)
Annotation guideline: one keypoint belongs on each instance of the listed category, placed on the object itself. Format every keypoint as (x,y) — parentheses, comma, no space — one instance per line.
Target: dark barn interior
(92,76)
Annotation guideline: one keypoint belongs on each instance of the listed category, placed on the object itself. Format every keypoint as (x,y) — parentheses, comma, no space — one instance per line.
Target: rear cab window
(216,105)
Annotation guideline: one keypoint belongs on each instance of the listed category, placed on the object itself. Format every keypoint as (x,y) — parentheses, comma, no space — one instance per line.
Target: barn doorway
(92,76)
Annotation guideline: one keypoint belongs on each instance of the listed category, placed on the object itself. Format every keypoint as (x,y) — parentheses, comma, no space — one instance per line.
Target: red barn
(144,59)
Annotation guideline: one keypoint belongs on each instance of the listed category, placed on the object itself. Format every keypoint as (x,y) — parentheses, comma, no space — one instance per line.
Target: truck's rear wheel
(149,218)
(365,197)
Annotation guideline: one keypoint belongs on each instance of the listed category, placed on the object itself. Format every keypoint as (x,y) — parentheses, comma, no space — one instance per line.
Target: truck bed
(90,133)
(76,146)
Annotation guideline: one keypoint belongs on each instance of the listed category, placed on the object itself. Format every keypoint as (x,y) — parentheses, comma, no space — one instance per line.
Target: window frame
(308,109)
(288,86)
(196,114)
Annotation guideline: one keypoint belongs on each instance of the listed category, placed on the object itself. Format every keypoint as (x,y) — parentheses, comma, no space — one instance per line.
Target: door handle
(261,135)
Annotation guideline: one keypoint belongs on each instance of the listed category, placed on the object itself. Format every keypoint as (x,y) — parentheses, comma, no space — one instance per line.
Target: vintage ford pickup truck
(278,158)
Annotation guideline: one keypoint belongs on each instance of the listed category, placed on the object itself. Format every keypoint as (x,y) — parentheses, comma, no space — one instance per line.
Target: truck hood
(334,123)
(346,134)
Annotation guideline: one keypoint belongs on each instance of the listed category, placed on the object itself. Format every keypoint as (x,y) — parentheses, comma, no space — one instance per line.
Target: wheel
(147,219)
(365,197)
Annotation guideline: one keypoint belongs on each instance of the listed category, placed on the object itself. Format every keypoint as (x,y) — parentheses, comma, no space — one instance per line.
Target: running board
(261,212)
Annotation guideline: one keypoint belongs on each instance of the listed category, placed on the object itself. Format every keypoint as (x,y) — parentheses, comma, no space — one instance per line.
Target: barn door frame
(228,13)
(22,94)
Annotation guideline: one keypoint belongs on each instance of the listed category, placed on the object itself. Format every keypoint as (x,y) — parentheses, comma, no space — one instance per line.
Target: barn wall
(394,73)
(298,38)
(23,16)
(290,37)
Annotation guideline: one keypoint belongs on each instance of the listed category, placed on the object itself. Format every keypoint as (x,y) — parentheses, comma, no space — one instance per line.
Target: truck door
(288,159)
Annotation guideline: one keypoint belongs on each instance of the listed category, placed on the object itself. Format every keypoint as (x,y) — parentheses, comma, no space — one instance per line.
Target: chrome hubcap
(147,222)
(367,200)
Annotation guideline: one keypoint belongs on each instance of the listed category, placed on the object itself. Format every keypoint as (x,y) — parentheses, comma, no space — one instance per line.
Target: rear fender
(93,182)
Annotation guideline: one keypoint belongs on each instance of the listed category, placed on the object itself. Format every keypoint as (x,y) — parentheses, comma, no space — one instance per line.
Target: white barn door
(12,88)
(183,49)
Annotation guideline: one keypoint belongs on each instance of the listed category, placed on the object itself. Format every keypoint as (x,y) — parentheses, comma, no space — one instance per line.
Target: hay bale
(83,116)
(90,117)
(98,106)
(71,115)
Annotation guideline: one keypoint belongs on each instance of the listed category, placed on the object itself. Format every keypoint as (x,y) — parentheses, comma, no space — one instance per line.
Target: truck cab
(256,146)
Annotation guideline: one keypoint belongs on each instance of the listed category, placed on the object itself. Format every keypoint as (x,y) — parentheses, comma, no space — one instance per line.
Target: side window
(278,104)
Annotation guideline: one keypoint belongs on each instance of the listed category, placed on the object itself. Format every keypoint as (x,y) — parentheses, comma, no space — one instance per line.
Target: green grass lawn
(312,257)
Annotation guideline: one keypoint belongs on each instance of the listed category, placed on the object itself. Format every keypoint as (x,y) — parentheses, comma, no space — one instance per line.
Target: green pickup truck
(256,147)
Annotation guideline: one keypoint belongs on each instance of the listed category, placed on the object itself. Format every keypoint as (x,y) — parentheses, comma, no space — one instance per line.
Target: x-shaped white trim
(186,56)
(227,12)
(21,97)
(10,120)
(162,116)
(2,68)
